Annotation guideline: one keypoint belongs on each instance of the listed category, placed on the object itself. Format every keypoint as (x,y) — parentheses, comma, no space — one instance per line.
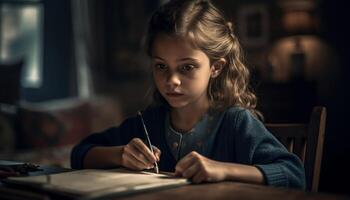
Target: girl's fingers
(133,152)
(191,171)
(157,152)
(185,163)
(198,177)
(144,149)
(133,163)
(138,156)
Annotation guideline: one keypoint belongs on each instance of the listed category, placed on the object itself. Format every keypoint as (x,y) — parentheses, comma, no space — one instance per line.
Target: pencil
(148,141)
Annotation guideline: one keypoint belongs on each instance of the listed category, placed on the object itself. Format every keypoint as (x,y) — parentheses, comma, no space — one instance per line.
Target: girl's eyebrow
(181,59)
(156,57)
(188,58)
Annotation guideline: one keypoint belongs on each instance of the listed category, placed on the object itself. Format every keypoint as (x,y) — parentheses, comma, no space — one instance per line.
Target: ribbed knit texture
(240,138)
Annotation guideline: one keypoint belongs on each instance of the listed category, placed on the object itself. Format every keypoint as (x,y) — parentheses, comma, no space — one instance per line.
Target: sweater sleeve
(257,146)
(114,136)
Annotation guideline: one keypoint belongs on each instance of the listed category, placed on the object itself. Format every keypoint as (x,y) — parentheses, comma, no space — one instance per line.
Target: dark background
(119,66)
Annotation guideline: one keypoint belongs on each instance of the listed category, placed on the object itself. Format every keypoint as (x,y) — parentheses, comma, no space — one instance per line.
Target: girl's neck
(184,119)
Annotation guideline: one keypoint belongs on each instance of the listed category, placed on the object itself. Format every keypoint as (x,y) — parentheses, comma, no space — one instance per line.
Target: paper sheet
(100,182)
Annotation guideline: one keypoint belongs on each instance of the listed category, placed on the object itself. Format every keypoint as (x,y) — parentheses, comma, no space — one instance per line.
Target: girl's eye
(160,67)
(187,68)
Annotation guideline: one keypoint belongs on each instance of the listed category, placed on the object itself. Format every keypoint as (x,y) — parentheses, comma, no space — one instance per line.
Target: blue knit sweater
(241,138)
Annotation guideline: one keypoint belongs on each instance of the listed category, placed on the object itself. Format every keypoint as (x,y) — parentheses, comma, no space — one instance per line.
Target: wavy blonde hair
(205,26)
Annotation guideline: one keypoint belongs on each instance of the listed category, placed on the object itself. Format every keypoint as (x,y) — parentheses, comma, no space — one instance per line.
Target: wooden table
(222,190)
(230,190)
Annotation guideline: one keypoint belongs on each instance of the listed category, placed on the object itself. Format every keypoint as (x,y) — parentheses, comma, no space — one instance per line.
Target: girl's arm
(97,149)
(116,146)
(135,155)
(243,173)
(202,169)
(255,145)
(103,157)
(263,159)
(105,149)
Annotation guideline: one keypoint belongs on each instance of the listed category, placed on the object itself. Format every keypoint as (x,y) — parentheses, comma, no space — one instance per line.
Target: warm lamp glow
(316,57)
(298,16)
(298,21)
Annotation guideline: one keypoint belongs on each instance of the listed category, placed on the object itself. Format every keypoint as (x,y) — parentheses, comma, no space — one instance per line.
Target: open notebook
(95,184)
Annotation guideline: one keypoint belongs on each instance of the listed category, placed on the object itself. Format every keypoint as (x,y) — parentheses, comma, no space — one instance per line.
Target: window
(21,26)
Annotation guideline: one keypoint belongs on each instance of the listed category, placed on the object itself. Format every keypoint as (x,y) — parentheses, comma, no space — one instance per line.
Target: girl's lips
(174,94)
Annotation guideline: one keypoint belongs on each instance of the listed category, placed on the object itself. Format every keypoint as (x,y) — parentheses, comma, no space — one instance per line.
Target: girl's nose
(173,80)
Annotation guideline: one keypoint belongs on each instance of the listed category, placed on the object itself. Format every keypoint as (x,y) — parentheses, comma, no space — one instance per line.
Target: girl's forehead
(166,44)
(172,39)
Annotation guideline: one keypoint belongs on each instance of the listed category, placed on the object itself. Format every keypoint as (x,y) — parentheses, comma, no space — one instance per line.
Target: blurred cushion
(53,127)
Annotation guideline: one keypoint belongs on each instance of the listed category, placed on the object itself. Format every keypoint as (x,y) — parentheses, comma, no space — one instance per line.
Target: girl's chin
(177,104)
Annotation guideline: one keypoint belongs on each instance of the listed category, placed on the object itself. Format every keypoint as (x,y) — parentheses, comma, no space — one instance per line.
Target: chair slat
(305,141)
(298,148)
(291,142)
(288,130)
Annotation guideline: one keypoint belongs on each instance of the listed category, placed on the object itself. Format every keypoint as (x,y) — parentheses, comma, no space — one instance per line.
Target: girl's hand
(200,169)
(136,155)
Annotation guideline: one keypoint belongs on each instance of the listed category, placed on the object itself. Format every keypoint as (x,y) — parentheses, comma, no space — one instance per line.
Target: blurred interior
(69,68)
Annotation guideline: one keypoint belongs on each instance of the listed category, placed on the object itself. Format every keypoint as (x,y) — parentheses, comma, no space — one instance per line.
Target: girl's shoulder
(240,115)
(242,122)
(237,111)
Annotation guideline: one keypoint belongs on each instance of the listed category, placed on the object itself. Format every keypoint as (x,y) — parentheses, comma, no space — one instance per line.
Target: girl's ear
(217,67)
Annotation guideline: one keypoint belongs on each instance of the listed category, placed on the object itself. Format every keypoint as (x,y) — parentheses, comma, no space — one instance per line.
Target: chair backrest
(306,141)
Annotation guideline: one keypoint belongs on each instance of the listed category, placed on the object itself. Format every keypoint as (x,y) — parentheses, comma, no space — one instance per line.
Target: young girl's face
(181,72)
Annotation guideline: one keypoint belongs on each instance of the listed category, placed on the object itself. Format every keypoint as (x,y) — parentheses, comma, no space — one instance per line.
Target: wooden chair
(306,141)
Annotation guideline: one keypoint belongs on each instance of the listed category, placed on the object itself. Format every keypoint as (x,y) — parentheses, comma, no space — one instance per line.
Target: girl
(203,123)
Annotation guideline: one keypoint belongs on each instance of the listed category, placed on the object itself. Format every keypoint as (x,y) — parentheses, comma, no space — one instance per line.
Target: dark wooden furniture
(306,141)
(221,190)
(230,190)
